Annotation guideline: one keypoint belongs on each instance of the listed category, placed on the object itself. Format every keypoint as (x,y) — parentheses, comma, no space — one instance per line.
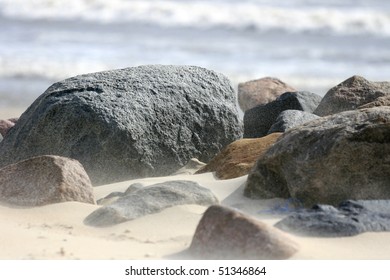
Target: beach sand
(57,231)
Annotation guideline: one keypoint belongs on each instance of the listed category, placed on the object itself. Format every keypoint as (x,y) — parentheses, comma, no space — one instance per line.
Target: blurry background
(309,44)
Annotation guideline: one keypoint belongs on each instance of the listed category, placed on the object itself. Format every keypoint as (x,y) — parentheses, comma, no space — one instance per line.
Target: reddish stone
(223,233)
(45,180)
(261,91)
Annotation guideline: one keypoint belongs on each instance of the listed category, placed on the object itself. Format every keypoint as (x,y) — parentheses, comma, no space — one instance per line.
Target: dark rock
(223,233)
(129,123)
(261,91)
(149,200)
(329,160)
(45,180)
(258,120)
(238,158)
(351,94)
(350,218)
(291,118)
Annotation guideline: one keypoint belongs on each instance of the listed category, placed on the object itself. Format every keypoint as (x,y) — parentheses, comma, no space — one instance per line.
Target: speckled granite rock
(129,123)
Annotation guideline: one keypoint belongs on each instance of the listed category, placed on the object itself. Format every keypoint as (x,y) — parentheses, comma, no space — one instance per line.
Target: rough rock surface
(238,158)
(380,101)
(329,160)
(261,91)
(350,218)
(149,200)
(45,180)
(223,233)
(258,120)
(291,118)
(129,123)
(351,94)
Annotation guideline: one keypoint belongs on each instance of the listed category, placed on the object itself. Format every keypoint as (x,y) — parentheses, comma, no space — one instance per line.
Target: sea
(310,44)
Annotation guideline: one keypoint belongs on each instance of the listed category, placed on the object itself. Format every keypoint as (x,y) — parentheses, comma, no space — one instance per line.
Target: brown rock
(350,95)
(261,91)
(223,233)
(5,125)
(45,180)
(238,158)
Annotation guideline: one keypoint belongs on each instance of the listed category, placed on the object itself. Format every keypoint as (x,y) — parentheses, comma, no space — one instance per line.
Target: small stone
(223,233)
(45,180)
(6,125)
(238,158)
(261,91)
(149,200)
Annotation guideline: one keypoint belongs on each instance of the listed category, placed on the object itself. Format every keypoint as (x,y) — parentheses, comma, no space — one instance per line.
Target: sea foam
(292,16)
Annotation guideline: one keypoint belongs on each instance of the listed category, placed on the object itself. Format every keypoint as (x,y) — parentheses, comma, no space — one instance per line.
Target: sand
(57,231)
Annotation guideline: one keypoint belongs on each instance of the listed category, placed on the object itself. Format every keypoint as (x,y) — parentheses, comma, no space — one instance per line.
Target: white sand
(57,231)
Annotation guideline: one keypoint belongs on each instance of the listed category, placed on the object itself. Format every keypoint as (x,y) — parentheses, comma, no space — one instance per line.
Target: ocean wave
(262,15)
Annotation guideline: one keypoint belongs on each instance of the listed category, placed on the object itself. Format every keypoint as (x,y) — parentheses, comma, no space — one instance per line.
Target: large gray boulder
(329,160)
(351,94)
(258,120)
(129,123)
(148,200)
(291,118)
